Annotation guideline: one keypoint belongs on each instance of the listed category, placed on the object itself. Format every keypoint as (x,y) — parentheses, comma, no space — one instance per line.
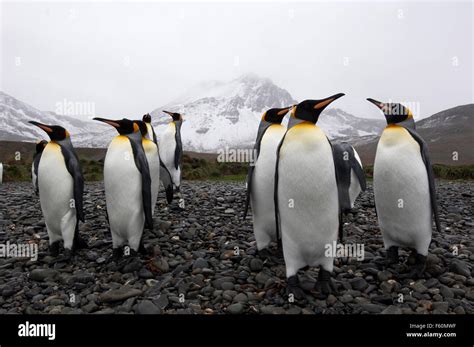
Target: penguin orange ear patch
(323,103)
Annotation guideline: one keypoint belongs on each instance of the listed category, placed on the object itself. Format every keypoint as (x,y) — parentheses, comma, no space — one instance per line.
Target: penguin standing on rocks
(34,165)
(128,186)
(165,175)
(153,159)
(350,175)
(404,187)
(61,188)
(260,177)
(171,152)
(306,196)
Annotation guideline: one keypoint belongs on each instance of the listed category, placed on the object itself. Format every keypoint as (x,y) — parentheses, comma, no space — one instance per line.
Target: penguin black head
(176,116)
(55,132)
(394,113)
(124,126)
(310,110)
(40,146)
(142,126)
(275,115)
(147,118)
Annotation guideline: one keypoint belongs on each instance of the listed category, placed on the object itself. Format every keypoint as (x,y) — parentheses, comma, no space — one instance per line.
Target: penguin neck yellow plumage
(120,138)
(306,132)
(395,134)
(275,126)
(52,146)
(148,145)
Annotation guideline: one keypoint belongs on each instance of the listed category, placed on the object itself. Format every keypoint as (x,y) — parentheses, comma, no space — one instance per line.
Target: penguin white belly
(262,194)
(308,198)
(56,189)
(354,188)
(123,193)
(401,191)
(167,150)
(151,153)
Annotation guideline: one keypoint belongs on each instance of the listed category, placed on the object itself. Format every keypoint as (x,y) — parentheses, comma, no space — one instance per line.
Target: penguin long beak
(284,111)
(45,127)
(168,113)
(376,103)
(323,103)
(113,123)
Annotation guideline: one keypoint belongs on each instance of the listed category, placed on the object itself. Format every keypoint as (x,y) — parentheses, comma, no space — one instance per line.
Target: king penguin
(306,196)
(171,152)
(61,188)
(404,187)
(128,191)
(34,165)
(165,175)
(260,177)
(153,159)
(350,175)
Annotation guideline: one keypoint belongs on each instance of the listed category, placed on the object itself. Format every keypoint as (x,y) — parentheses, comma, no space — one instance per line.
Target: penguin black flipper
(73,166)
(345,161)
(178,153)
(429,170)
(357,167)
(155,139)
(275,192)
(165,177)
(343,181)
(342,167)
(142,165)
(36,160)
(261,131)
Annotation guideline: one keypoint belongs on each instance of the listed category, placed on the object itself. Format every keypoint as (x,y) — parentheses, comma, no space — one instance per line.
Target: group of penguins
(134,165)
(299,186)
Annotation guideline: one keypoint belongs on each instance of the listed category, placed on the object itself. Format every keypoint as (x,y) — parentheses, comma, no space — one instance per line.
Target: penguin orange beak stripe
(327,101)
(169,113)
(108,121)
(376,103)
(284,111)
(42,126)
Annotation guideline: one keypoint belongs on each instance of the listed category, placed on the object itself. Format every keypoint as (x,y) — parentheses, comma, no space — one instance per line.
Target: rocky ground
(203,260)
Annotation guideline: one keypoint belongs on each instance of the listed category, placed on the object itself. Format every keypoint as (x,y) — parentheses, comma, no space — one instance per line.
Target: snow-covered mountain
(216,115)
(14,126)
(220,114)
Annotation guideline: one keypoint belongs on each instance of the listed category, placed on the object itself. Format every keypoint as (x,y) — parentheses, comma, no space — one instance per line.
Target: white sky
(421,52)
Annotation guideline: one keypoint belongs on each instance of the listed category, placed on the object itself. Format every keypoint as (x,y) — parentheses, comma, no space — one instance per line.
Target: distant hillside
(445,132)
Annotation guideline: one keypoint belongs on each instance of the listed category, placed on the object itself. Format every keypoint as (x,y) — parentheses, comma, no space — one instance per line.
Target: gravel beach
(203,260)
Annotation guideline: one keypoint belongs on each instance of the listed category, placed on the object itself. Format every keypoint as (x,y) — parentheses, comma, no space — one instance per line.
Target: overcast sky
(129,58)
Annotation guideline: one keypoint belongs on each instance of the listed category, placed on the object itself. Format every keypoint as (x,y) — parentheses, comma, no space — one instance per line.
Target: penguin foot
(117,253)
(392,256)
(264,254)
(66,256)
(418,270)
(293,288)
(54,249)
(142,249)
(325,285)
(80,243)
